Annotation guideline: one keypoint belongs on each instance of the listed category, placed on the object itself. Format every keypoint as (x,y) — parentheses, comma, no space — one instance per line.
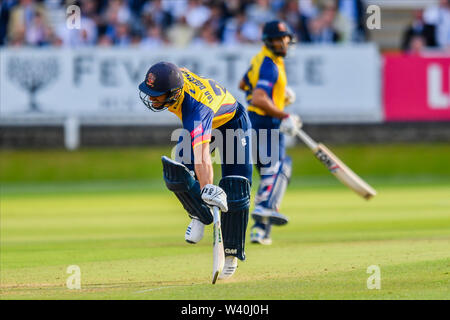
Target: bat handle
(306,139)
(216,214)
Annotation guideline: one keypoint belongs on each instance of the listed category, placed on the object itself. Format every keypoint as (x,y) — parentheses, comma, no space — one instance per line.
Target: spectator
(176,8)
(278,5)
(5,11)
(260,12)
(294,17)
(88,32)
(155,13)
(21,19)
(336,21)
(105,41)
(117,12)
(38,32)
(136,6)
(352,11)
(206,37)
(153,38)
(180,34)
(240,30)
(250,31)
(308,8)
(439,16)
(196,14)
(158,22)
(135,39)
(419,28)
(54,39)
(217,21)
(232,7)
(122,36)
(321,28)
(416,45)
(117,17)
(232,29)
(89,9)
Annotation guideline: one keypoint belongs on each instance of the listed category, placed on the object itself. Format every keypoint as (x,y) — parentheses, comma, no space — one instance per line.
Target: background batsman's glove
(290,124)
(215,196)
(289,96)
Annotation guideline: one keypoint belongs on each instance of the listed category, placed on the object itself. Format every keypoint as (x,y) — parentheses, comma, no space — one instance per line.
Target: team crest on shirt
(150,79)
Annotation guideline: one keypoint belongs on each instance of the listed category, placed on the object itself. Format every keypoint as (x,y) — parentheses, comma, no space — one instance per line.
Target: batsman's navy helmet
(161,78)
(276,29)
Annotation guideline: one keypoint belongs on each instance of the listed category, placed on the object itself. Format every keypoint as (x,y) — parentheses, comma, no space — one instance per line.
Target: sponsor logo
(197,131)
(282,27)
(437,98)
(265,83)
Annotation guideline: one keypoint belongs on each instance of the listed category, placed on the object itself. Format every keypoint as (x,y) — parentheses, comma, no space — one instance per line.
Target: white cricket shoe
(229,268)
(261,214)
(261,236)
(194,232)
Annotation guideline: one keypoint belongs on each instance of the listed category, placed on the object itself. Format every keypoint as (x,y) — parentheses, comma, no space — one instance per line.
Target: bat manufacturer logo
(231,251)
(329,163)
(217,235)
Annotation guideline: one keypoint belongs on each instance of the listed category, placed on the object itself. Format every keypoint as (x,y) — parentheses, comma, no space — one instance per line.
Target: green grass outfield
(108,212)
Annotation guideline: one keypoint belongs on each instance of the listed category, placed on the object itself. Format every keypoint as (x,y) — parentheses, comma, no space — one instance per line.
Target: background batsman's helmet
(161,78)
(276,29)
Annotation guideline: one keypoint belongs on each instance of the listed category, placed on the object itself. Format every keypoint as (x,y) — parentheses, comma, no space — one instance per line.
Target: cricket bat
(218,250)
(337,167)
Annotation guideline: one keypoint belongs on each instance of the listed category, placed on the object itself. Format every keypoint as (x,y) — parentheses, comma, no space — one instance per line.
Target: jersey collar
(174,107)
(267,52)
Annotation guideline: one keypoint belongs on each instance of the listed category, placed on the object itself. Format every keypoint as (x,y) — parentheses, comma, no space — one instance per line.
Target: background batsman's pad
(274,195)
(187,189)
(234,222)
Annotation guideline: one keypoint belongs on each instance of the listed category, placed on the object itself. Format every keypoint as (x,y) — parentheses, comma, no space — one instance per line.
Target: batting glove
(290,124)
(215,196)
(289,96)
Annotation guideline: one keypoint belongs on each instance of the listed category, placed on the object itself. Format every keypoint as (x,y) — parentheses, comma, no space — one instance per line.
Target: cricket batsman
(265,85)
(207,110)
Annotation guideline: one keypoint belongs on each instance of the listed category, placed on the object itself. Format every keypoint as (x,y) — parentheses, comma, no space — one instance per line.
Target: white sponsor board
(332,83)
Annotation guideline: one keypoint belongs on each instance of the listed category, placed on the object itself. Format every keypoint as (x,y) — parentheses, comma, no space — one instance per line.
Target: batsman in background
(203,105)
(265,85)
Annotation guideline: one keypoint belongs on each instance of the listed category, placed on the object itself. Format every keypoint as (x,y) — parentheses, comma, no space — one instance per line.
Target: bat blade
(218,249)
(343,173)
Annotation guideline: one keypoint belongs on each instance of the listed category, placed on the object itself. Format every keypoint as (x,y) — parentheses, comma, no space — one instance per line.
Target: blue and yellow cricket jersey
(267,72)
(204,105)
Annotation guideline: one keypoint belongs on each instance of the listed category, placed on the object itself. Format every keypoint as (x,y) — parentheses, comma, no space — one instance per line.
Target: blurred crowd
(430,28)
(179,23)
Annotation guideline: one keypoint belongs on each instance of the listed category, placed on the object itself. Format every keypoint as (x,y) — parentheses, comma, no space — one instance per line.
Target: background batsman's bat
(337,167)
(218,250)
